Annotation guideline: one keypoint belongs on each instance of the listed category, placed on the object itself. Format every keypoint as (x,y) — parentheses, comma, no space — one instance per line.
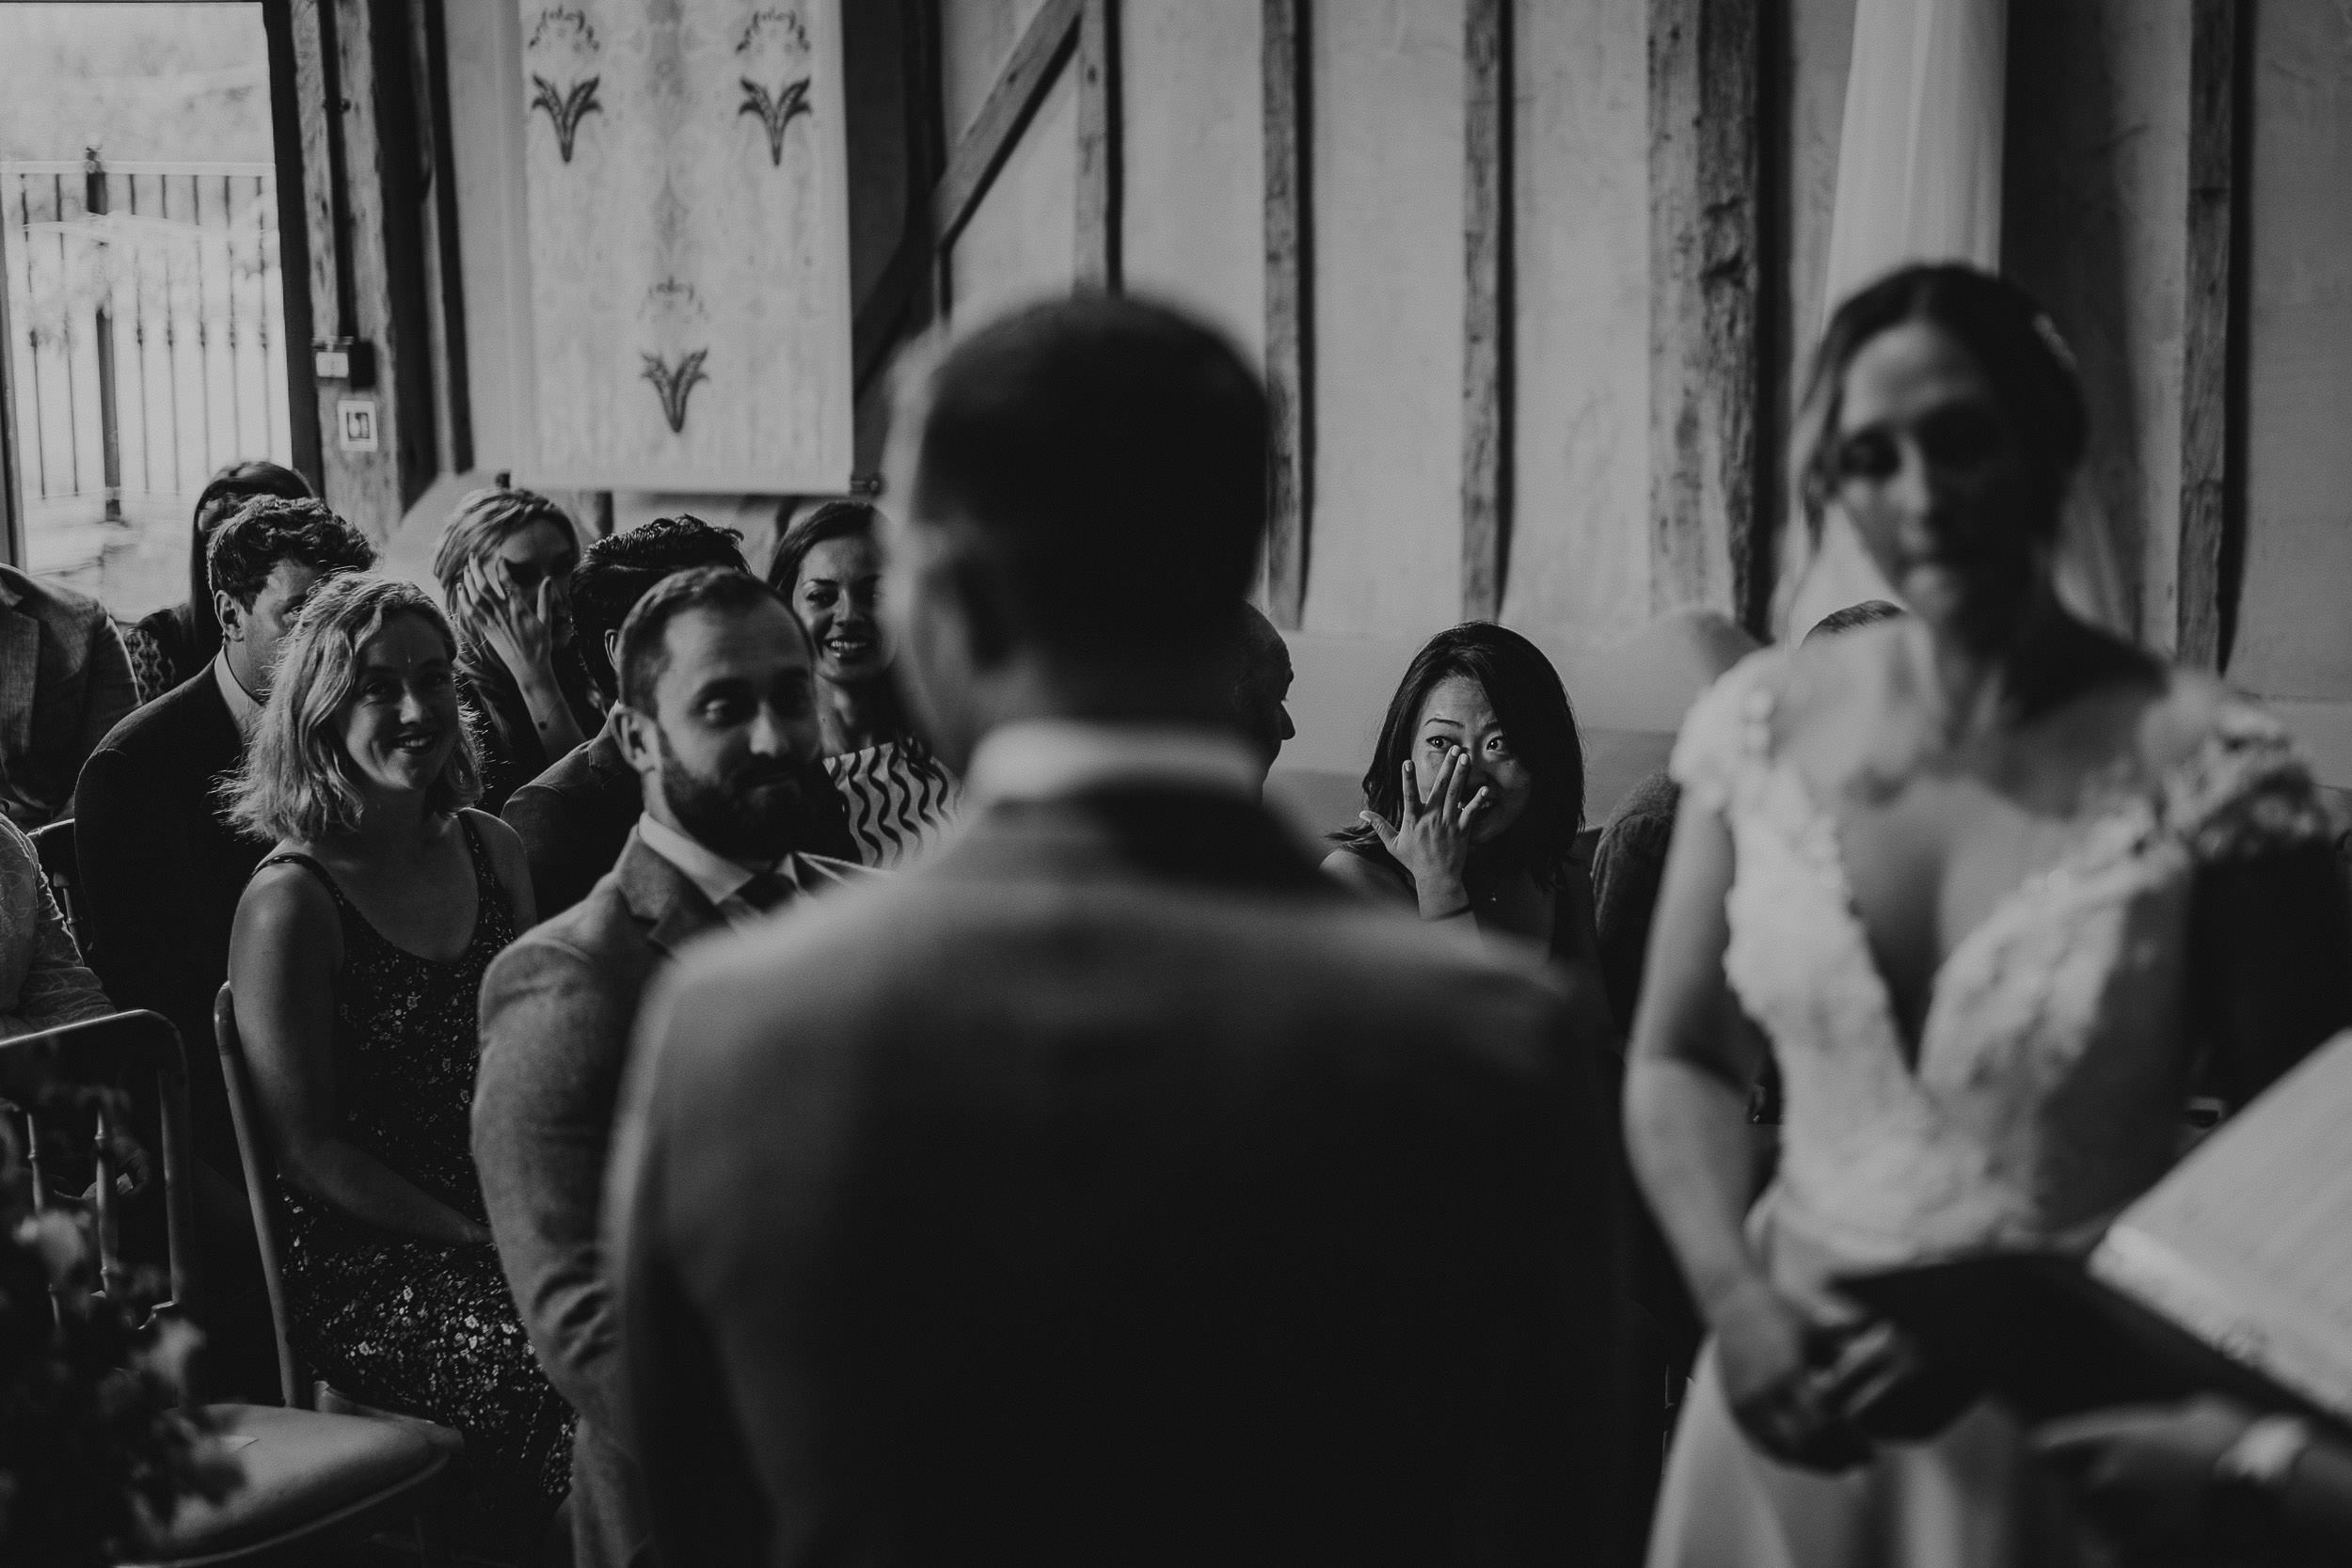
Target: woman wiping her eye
(1474,797)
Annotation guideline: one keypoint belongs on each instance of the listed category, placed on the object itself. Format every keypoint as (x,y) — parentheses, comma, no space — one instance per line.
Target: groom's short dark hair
(1115,454)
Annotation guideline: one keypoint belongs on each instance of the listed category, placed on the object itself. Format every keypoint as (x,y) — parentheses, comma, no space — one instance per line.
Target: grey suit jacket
(1110,1188)
(557,1010)
(64,681)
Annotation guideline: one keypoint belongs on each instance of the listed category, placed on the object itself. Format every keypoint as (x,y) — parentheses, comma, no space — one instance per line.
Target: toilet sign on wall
(685,322)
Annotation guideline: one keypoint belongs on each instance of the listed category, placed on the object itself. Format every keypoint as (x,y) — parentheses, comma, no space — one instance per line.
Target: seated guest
(64,682)
(1106,1187)
(1262,686)
(1474,797)
(575,816)
(828,566)
(359,954)
(162,865)
(174,643)
(718,721)
(1630,861)
(506,563)
(42,983)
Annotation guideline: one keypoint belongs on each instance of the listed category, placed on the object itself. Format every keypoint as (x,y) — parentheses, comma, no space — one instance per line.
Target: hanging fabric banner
(685,175)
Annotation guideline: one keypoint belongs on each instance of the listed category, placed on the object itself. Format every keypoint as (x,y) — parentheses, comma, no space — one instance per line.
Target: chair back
(113,1053)
(60,865)
(257,1174)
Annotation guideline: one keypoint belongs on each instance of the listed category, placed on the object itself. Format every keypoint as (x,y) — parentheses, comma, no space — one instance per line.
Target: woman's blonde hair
(296,780)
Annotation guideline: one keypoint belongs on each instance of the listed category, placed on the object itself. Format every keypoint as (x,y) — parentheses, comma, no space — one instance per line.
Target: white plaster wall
(1194,225)
(2095,224)
(1385,545)
(484,43)
(1579,544)
(1022,243)
(2295,628)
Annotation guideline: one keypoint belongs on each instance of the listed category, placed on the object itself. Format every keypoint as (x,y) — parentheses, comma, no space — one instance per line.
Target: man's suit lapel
(671,908)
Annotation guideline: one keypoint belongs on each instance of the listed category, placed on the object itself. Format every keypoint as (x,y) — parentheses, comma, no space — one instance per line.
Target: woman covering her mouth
(898,795)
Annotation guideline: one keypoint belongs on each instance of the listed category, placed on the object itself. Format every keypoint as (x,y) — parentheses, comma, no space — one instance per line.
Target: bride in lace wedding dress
(1999,891)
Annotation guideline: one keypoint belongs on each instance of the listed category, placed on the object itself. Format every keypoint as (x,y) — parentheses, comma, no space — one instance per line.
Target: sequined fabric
(393,1321)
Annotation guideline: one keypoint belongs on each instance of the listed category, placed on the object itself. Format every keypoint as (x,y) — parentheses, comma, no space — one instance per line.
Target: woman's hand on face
(1432,840)
(520,629)
(1764,1348)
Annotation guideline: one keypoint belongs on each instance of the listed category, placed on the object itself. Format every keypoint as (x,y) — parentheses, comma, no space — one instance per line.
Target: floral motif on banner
(689,255)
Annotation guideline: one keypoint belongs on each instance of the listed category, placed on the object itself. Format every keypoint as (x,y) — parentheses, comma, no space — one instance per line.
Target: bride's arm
(1692,1062)
(1689,1067)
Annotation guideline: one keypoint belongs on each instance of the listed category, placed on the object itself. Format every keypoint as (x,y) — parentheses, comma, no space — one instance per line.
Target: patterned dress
(394,1320)
(2046,1094)
(898,798)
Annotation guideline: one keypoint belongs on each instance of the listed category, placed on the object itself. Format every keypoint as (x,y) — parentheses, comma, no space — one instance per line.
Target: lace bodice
(2052,1062)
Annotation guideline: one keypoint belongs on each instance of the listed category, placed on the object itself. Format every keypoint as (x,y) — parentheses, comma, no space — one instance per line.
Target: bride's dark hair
(2013,342)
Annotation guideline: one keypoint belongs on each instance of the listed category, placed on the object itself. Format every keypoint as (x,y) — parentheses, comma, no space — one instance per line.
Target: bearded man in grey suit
(1108,1187)
(718,717)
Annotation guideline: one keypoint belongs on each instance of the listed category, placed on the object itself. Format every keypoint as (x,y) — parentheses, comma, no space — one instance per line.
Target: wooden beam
(293,238)
(1037,59)
(1705,58)
(317,94)
(381,264)
(1487,308)
(444,269)
(1099,151)
(13,545)
(913,288)
(1289,307)
(2209,339)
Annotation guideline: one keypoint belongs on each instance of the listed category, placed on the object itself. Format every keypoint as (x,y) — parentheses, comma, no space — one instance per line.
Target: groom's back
(1073,1200)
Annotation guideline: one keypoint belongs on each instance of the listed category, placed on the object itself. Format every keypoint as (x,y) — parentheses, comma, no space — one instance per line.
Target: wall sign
(356,424)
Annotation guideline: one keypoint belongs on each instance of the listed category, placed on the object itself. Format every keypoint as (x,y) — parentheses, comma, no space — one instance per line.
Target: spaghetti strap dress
(394,1320)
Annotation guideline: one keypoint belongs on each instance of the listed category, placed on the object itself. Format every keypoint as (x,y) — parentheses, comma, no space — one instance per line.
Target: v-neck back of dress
(2051,1061)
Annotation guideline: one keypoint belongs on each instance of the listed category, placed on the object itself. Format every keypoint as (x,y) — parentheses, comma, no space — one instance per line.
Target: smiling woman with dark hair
(1475,794)
(898,793)
(356,963)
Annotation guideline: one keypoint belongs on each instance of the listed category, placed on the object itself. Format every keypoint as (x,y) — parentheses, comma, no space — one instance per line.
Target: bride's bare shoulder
(1838,675)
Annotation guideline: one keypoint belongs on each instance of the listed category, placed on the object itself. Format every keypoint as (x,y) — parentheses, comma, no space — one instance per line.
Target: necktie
(766,891)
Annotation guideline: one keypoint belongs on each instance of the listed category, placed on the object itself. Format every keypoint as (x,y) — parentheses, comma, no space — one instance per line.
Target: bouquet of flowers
(94,1447)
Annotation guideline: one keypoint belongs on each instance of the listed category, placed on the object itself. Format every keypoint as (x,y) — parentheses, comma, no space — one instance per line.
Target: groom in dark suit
(717,718)
(1110,1188)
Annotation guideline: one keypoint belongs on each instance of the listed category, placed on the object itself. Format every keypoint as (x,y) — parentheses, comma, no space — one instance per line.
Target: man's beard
(757,814)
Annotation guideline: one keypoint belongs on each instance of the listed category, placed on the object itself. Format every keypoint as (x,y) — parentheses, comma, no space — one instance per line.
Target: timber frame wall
(1706,243)
(369,221)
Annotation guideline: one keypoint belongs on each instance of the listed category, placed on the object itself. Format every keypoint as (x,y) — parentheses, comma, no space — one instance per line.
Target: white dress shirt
(1045,759)
(720,879)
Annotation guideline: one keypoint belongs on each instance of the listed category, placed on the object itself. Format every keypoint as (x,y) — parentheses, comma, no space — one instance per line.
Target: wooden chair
(313,1482)
(63,870)
(316,1394)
